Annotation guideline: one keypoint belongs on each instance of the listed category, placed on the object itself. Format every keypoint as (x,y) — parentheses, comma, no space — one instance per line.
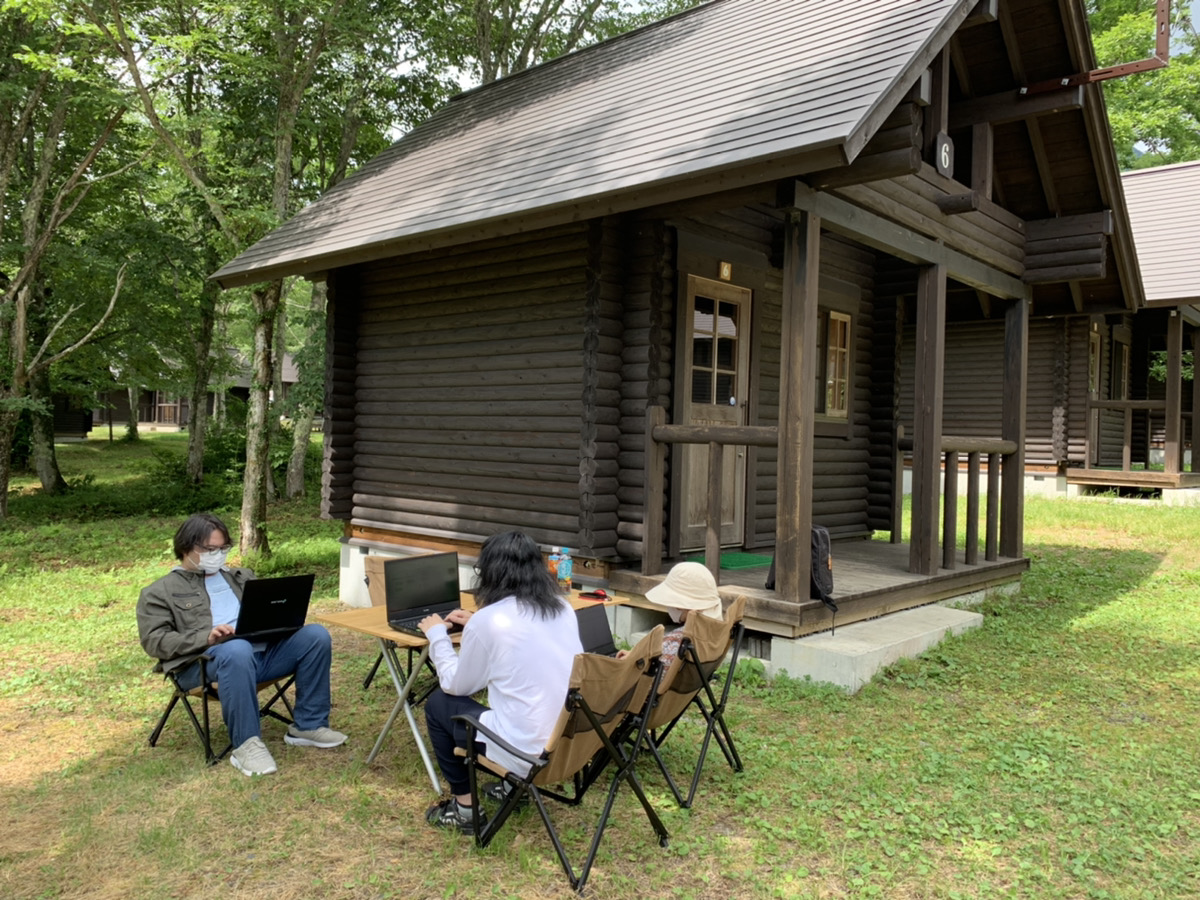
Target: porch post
(1195,400)
(929,367)
(797,405)
(1173,443)
(1012,486)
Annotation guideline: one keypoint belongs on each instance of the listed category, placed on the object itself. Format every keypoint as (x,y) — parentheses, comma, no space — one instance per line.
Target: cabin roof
(725,86)
(1166,230)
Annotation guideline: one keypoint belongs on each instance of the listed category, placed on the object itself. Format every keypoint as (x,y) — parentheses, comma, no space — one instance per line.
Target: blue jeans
(445,734)
(238,668)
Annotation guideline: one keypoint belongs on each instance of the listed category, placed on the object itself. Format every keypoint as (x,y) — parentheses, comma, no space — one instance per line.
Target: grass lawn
(1050,753)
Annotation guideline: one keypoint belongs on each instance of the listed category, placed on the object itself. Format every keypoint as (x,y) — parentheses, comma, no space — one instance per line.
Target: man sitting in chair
(193,610)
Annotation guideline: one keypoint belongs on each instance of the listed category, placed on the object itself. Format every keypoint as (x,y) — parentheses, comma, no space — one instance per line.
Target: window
(833,364)
(714,351)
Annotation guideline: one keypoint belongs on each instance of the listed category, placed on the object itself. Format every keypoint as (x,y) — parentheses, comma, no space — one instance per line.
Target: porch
(871,578)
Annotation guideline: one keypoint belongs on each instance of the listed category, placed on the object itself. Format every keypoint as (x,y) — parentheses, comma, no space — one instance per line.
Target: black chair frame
(711,707)
(207,691)
(623,755)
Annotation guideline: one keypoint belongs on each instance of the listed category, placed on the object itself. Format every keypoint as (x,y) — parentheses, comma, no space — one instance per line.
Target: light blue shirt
(222,600)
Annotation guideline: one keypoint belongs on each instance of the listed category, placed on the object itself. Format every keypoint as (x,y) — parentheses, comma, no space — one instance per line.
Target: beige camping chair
(209,690)
(688,681)
(604,695)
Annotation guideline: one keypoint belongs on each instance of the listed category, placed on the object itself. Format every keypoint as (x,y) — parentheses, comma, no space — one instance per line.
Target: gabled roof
(1164,210)
(684,103)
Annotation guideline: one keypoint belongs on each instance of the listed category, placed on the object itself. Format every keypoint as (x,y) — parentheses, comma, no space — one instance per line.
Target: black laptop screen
(415,582)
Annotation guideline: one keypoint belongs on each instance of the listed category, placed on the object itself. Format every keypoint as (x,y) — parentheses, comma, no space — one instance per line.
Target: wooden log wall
(1077,389)
(974,385)
(841,464)
(337,468)
(646,365)
(473,366)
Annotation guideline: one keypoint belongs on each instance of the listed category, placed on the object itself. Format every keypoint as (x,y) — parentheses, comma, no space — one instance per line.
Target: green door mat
(736,560)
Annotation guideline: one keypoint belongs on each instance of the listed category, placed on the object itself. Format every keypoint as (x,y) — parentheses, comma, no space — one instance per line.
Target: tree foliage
(1155,115)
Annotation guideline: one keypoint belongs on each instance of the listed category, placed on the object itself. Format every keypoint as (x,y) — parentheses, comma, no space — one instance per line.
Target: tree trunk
(301,431)
(131,427)
(8,430)
(202,366)
(44,460)
(258,461)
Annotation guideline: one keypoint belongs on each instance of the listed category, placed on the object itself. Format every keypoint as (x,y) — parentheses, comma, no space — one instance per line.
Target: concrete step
(851,655)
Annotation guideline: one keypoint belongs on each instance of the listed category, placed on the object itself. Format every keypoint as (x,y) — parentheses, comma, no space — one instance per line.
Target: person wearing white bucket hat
(688,588)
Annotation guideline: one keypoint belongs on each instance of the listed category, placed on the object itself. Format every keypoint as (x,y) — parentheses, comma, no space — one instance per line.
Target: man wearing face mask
(193,610)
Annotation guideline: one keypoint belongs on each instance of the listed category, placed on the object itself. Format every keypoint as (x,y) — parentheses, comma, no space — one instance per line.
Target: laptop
(594,633)
(420,586)
(274,607)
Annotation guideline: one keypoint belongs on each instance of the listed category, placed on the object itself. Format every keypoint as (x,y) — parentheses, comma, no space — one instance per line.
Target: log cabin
(651,299)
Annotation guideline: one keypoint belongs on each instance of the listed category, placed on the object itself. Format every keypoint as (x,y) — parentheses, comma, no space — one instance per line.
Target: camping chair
(208,690)
(602,696)
(688,681)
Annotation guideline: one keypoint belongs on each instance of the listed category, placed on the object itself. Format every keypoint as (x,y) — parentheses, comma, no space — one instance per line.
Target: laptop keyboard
(409,626)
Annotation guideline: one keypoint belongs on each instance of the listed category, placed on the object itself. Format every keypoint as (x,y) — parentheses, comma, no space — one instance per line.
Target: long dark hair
(511,565)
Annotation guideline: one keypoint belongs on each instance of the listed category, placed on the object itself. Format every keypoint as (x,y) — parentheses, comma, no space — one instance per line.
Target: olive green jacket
(174,615)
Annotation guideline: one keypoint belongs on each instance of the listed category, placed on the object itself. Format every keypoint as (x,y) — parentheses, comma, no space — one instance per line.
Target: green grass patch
(1048,754)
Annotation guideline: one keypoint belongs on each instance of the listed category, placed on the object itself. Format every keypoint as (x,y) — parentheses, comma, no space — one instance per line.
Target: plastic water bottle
(563,571)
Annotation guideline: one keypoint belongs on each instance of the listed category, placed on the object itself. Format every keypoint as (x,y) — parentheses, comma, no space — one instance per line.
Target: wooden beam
(1011,106)
(983,151)
(957,204)
(712,530)
(937,114)
(882,234)
(1173,439)
(797,405)
(1012,486)
(985,11)
(873,167)
(1058,227)
(1195,401)
(929,370)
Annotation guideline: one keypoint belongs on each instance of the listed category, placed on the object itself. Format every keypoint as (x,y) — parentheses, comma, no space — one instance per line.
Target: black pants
(445,734)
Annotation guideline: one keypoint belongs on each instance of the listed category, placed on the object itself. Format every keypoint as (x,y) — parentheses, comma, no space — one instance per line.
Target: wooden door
(716,377)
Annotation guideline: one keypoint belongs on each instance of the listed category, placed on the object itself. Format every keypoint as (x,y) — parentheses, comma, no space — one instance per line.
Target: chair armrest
(494,738)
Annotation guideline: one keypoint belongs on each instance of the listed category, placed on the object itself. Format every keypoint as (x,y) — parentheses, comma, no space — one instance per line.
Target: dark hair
(195,531)
(511,565)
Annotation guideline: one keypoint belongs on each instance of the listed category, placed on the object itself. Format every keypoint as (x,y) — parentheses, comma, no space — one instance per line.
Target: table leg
(403,689)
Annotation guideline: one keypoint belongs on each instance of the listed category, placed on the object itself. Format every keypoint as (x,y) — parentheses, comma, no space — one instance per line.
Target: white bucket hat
(689,585)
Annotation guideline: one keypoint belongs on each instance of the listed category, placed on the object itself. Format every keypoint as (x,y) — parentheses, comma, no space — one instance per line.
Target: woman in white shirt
(520,644)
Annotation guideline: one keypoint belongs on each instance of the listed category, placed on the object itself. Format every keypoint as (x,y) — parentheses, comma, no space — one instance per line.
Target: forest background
(144,144)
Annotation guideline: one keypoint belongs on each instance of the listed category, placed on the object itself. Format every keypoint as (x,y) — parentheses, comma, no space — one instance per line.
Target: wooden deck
(870,579)
(1152,480)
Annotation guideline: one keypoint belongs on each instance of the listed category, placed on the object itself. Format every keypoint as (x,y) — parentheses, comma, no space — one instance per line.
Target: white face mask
(675,614)
(211,561)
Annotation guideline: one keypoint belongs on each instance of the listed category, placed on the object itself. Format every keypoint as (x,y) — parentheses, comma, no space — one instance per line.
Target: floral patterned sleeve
(670,646)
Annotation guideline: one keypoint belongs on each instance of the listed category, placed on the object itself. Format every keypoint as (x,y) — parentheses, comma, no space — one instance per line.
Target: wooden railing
(952,450)
(1129,407)
(717,437)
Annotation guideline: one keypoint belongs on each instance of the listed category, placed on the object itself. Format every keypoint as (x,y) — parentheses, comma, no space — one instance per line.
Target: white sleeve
(465,672)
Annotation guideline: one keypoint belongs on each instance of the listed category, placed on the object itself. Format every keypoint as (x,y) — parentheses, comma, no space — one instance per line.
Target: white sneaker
(253,758)
(317,737)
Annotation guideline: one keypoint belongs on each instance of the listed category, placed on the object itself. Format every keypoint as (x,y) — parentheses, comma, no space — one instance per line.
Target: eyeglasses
(478,571)
(223,548)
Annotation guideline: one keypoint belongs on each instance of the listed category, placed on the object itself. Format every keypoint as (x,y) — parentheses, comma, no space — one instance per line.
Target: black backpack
(821,584)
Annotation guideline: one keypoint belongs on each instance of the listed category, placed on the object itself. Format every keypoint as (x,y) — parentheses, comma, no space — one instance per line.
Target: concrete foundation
(852,655)
(1181,496)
